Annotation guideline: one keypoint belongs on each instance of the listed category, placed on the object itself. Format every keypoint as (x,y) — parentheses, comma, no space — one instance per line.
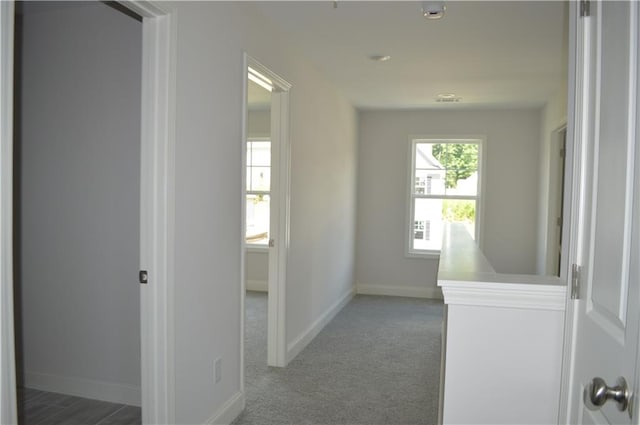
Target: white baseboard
(400,291)
(229,411)
(257,285)
(88,388)
(298,344)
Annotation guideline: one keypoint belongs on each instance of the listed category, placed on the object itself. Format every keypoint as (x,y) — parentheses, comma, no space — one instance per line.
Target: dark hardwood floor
(44,408)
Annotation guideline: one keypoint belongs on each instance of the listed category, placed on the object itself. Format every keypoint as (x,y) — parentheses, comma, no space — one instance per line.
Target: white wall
(321,263)
(554,115)
(80,149)
(257,269)
(510,193)
(259,122)
(211,38)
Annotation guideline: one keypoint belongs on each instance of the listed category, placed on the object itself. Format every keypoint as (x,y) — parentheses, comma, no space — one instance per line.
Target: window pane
(462,182)
(460,214)
(260,154)
(429,182)
(424,157)
(461,163)
(447,169)
(427,226)
(260,178)
(440,152)
(258,219)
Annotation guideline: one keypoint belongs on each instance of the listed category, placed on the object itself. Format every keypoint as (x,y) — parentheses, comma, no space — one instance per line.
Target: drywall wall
(80,155)
(211,38)
(554,116)
(321,262)
(510,193)
(259,122)
(257,269)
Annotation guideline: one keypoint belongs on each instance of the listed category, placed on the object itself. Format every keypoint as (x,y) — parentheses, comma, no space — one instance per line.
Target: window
(445,192)
(258,191)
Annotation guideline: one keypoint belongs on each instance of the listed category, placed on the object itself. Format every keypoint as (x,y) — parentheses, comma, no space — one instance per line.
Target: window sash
(460,197)
(251,166)
(260,235)
(414,196)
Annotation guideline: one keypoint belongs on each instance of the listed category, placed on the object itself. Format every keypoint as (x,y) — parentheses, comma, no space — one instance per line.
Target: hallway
(377,362)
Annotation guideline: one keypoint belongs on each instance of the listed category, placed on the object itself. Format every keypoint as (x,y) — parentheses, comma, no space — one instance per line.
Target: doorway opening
(265,194)
(556,201)
(156,212)
(77,125)
(257,224)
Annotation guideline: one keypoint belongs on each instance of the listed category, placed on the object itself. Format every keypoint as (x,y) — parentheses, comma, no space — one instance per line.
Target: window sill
(431,255)
(256,248)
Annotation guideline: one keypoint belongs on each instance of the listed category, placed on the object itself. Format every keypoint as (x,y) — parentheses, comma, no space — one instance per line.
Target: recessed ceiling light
(380,58)
(447,98)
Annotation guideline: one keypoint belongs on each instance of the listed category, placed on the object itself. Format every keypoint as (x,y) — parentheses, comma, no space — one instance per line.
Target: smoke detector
(433,9)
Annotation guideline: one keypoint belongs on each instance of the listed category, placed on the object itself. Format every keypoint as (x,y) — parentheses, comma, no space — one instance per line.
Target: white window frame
(410,252)
(251,246)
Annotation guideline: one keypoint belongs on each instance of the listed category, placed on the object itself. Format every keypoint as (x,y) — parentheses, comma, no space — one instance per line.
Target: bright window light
(260,79)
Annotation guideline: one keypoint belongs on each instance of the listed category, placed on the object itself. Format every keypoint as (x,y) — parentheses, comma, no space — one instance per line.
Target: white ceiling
(491,54)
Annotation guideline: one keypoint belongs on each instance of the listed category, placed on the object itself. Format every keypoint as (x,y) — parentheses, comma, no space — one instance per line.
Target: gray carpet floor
(377,362)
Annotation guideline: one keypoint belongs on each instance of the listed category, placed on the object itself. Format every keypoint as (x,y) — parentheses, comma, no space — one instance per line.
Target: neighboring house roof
(428,157)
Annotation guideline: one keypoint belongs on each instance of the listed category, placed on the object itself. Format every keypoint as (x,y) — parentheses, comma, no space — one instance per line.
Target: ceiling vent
(433,9)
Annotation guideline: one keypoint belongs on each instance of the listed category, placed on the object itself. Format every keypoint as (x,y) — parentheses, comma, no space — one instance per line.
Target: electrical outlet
(217,367)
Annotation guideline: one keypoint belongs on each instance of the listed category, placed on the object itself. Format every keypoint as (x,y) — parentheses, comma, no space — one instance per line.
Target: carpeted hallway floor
(377,362)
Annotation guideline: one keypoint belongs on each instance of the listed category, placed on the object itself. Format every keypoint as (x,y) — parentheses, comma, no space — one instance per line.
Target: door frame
(576,160)
(8,406)
(556,164)
(156,212)
(279,219)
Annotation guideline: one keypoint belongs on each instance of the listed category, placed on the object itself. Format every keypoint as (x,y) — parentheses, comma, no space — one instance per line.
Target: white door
(279,223)
(607,317)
